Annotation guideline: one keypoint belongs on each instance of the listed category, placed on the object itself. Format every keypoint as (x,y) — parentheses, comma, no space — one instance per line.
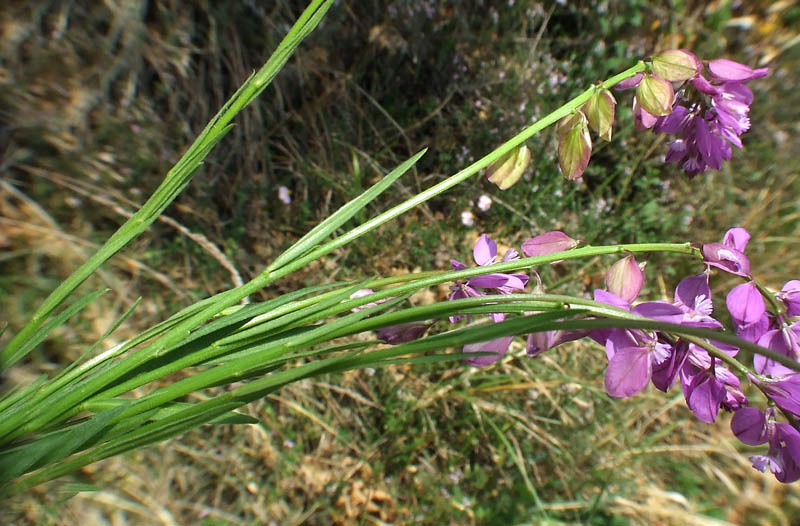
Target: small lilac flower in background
(284,195)
(484,203)
(467,218)
(729,255)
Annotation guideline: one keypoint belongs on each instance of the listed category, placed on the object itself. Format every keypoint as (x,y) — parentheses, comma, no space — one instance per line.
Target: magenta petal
(457,265)
(704,86)
(726,258)
(750,426)
(746,304)
(724,69)
(498,346)
(674,122)
(547,243)
(485,250)
(790,295)
(786,393)
(659,310)
(628,371)
(704,396)
(629,83)
(603,296)
(787,450)
(405,332)
(490,281)
(690,289)
(664,373)
(736,238)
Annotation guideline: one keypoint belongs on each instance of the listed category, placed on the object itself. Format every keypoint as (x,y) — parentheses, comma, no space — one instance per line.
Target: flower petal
(750,426)
(499,347)
(628,372)
(485,250)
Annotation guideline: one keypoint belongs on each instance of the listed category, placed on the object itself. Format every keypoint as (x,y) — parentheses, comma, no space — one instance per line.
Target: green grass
(402,445)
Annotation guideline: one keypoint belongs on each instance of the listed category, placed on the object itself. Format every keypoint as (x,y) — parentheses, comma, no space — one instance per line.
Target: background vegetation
(97,100)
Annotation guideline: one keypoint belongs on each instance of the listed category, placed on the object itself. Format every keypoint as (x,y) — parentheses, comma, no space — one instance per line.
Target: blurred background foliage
(98,99)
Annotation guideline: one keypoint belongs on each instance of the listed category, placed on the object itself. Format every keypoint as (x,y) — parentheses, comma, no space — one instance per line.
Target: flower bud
(600,112)
(642,120)
(508,169)
(655,95)
(726,258)
(548,243)
(574,145)
(625,279)
(676,65)
(629,83)
(405,332)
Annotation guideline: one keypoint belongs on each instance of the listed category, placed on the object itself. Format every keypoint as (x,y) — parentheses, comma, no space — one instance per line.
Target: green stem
(269,275)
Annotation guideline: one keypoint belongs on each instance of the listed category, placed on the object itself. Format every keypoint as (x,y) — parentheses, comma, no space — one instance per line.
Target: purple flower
(405,332)
(693,297)
(709,121)
(729,255)
(790,296)
(707,389)
(633,354)
(539,342)
(498,346)
(630,366)
(786,341)
(748,311)
(754,427)
(485,254)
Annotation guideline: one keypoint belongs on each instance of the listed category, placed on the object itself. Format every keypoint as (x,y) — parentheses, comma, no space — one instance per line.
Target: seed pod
(508,169)
(676,65)
(574,145)
(600,112)
(655,95)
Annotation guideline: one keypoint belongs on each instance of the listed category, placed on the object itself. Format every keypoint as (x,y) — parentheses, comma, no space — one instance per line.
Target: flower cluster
(707,114)
(704,369)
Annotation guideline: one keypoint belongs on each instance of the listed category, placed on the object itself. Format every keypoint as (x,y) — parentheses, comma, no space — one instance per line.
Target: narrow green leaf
(52,448)
(341,216)
(42,332)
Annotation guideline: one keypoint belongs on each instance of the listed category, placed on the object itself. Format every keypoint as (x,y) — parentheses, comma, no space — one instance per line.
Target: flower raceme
(638,357)
(707,115)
